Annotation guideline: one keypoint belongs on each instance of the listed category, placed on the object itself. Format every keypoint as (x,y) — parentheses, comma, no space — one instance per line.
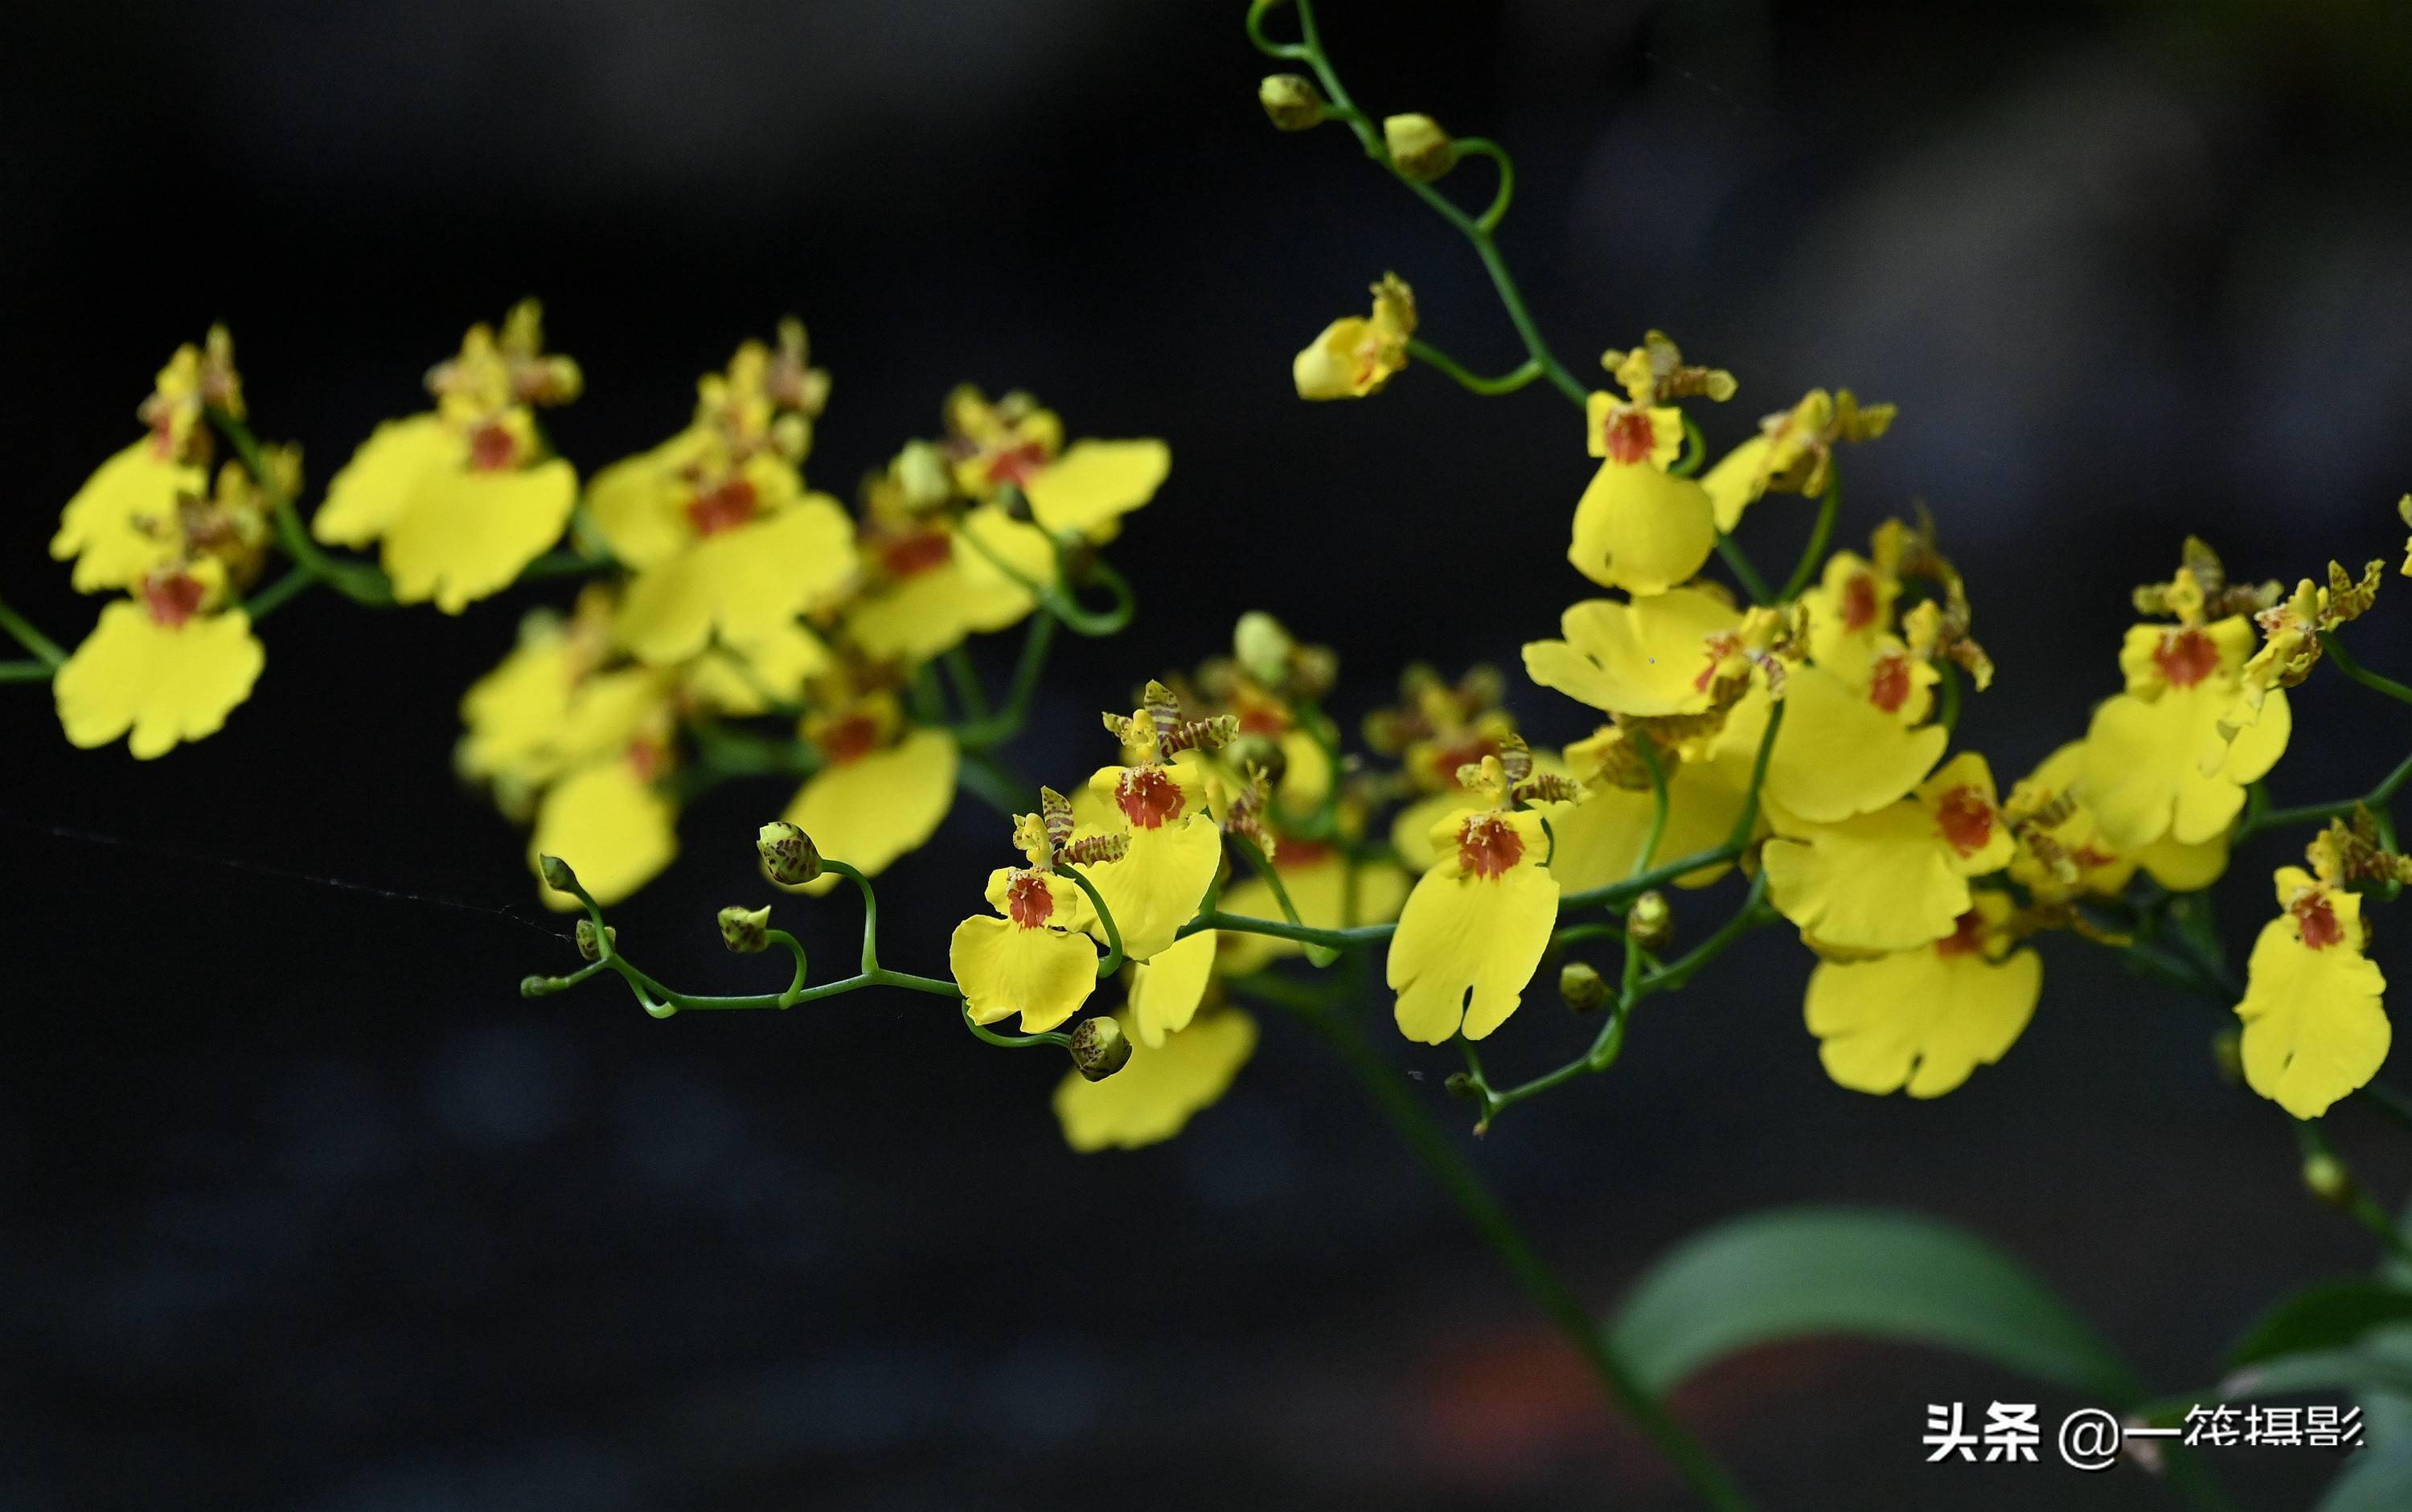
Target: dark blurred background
(300,1206)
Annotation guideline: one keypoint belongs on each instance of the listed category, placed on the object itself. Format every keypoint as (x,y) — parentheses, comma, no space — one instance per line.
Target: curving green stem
(1806,570)
(1745,572)
(994,729)
(2354,669)
(2268,820)
(21,630)
(1112,961)
(1507,383)
(1053,1037)
(1431,1143)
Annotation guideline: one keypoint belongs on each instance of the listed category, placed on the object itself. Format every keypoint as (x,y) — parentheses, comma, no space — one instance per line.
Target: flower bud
(1461,1084)
(1262,751)
(1099,1047)
(1582,985)
(556,873)
(789,857)
(2228,1054)
(1650,923)
(2328,1179)
(538,985)
(1291,101)
(744,930)
(590,948)
(1418,147)
(1264,648)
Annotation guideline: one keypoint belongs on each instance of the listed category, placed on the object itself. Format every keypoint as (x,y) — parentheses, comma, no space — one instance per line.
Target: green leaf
(2315,1373)
(2327,1316)
(2375,1480)
(1877,1273)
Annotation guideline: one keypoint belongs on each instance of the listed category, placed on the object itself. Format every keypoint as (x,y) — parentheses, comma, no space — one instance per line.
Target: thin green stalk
(2354,1201)
(2354,669)
(983,777)
(1053,1038)
(1696,450)
(261,605)
(1814,554)
(1423,1135)
(2268,820)
(1004,725)
(969,696)
(26,671)
(1112,961)
(1679,972)
(1487,222)
(1647,749)
(22,631)
(1507,383)
(1948,716)
(356,580)
(1738,563)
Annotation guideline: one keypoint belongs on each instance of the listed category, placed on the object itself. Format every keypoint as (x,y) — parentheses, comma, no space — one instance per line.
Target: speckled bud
(1417,145)
(1099,1047)
(590,947)
(789,857)
(745,930)
(1650,923)
(556,873)
(1291,101)
(1582,985)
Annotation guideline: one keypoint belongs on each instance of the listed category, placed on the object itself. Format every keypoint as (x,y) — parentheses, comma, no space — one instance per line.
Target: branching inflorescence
(736,625)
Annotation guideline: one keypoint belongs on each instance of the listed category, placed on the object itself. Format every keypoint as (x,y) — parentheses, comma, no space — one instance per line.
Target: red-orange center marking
(1628,437)
(851,738)
(726,508)
(493,447)
(2089,858)
(172,598)
(1027,901)
(1889,684)
(1149,797)
(1488,845)
(649,760)
(1967,937)
(1303,853)
(1018,464)
(917,552)
(2185,657)
(1859,601)
(2317,917)
(1965,819)
(1262,719)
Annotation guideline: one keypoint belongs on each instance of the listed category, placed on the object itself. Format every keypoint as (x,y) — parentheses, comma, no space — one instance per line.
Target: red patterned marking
(1967,937)
(851,738)
(1628,437)
(1965,819)
(1889,684)
(2185,657)
(493,447)
(1149,797)
(726,508)
(2316,917)
(917,552)
(1018,465)
(1027,899)
(1488,845)
(172,598)
(1859,601)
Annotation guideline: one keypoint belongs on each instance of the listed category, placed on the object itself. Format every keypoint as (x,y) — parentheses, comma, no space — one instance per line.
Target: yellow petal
(1094,483)
(1150,1099)
(869,812)
(1838,755)
(1643,658)
(1881,881)
(466,534)
(1642,530)
(2314,1028)
(102,526)
(163,683)
(1348,359)
(369,493)
(1042,974)
(746,679)
(615,829)
(1923,1019)
(743,585)
(1600,839)
(511,712)
(1157,884)
(1165,992)
(1466,945)
(638,503)
(2142,775)
(1735,483)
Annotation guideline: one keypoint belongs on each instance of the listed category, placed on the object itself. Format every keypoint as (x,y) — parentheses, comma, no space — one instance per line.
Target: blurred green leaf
(2373,1481)
(1871,1272)
(2316,1372)
(2327,1316)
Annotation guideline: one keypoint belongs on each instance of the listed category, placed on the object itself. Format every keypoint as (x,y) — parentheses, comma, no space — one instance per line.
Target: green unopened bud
(1293,102)
(2328,1179)
(590,947)
(1263,751)
(538,985)
(556,873)
(1420,148)
(1461,1084)
(1650,923)
(745,930)
(789,857)
(1099,1047)
(2228,1054)
(1264,648)
(1582,985)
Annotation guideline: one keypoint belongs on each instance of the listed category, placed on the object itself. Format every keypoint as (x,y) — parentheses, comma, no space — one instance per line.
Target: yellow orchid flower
(1841,752)
(1850,612)
(1080,490)
(2160,758)
(1175,849)
(612,820)
(462,497)
(938,580)
(1030,961)
(1898,877)
(2063,854)
(1642,528)
(1651,657)
(1152,1098)
(1599,836)
(879,796)
(1922,1020)
(166,664)
(1356,355)
(1793,451)
(1632,431)
(113,525)
(1474,927)
(2315,1027)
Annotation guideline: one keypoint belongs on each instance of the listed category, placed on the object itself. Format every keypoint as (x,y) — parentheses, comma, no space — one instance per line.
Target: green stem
(1487,222)
(1430,1144)
(1507,383)
(984,778)
(1679,972)
(1003,726)
(1814,554)
(1949,715)
(2354,669)
(1112,961)
(2267,819)
(1048,1038)
(26,671)
(1647,749)
(2356,1203)
(21,630)
(969,696)
(261,605)
(1740,565)
(1696,450)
